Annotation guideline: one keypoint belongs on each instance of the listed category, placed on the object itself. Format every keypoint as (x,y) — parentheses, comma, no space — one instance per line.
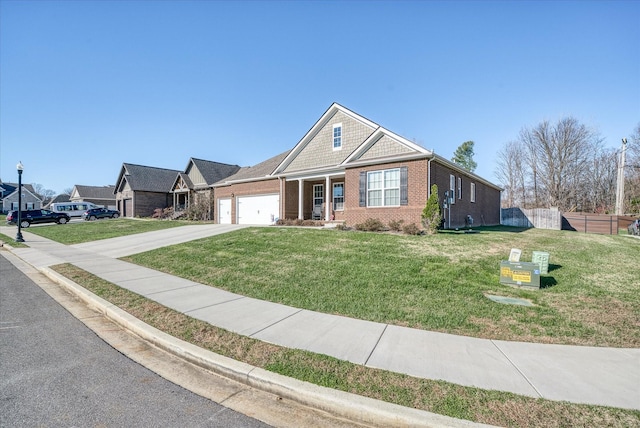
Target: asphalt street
(54,371)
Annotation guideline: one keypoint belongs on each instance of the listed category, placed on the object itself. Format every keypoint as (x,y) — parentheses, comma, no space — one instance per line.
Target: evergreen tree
(431,216)
(463,156)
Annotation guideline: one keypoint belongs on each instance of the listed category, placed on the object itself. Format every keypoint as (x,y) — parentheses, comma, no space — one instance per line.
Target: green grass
(76,233)
(434,282)
(11,241)
(489,407)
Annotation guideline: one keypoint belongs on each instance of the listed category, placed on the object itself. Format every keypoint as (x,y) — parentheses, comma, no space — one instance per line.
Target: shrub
(370,225)
(411,229)
(163,213)
(396,225)
(431,217)
(299,222)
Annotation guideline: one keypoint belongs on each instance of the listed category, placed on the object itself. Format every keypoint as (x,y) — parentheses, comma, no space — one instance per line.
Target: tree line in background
(565,165)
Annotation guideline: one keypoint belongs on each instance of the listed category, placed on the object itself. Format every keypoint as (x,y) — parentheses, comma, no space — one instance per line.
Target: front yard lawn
(77,233)
(591,295)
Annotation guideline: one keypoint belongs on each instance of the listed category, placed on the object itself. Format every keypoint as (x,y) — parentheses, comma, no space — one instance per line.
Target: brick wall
(484,211)
(411,213)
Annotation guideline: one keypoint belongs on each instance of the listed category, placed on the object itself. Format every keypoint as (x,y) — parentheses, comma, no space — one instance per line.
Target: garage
(262,209)
(224,211)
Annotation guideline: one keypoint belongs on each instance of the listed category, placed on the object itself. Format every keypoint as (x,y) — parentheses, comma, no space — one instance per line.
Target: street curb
(341,404)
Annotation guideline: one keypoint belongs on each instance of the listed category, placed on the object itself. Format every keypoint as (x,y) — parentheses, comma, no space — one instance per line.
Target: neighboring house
(141,189)
(58,198)
(194,184)
(349,169)
(9,194)
(100,195)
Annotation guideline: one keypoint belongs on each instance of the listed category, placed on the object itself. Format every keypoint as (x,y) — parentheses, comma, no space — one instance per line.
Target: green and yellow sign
(520,273)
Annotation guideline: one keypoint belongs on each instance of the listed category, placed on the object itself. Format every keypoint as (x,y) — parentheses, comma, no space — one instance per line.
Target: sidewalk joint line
(517,368)
(215,304)
(376,345)
(277,322)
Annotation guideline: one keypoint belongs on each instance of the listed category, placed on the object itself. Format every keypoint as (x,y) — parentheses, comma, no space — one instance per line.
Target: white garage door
(224,211)
(261,209)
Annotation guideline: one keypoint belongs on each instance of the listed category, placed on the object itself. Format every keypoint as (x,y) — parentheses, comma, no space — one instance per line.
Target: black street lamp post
(19,237)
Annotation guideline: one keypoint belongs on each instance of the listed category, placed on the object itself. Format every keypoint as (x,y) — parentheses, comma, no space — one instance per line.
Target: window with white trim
(318,195)
(337,136)
(383,188)
(338,196)
(459,187)
(473,192)
(452,189)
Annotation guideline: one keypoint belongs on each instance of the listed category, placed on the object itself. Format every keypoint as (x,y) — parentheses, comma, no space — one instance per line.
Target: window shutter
(363,188)
(404,185)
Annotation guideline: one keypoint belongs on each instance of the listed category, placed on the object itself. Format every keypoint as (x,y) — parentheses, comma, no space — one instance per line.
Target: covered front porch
(317,197)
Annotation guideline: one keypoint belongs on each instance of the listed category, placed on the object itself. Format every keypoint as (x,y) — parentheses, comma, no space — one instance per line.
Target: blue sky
(88,85)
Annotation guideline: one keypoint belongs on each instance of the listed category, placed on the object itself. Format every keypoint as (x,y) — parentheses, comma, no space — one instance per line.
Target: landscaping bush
(370,225)
(396,225)
(163,213)
(411,229)
(299,222)
(431,218)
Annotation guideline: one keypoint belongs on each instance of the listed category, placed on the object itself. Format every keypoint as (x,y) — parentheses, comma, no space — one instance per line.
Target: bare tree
(560,156)
(511,173)
(560,165)
(40,190)
(597,192)
(632,173)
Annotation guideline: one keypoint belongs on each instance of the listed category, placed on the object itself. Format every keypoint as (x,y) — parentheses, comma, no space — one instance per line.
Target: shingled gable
(383,143)
(146,178)
(336,112)
(211,171)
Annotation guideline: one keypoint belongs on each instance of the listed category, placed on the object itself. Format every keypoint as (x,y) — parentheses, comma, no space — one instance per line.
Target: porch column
(300,199)
(327,199)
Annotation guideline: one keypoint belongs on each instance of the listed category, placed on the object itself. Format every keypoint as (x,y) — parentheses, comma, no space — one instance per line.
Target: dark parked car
(96,213)
(29,217)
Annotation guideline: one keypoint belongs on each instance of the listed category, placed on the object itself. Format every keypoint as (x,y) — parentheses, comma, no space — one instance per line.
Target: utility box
(524,274)
(542,259)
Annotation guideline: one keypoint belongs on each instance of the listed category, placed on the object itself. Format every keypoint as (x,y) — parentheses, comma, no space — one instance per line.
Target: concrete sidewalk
(590,375)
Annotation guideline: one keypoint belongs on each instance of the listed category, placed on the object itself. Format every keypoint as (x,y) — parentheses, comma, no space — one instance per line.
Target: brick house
(348,168)
(141,189)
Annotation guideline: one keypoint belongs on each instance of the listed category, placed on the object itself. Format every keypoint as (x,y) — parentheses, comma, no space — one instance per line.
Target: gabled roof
(11,187)
(60,198)
(27,189)
(324,119)
(184,178)
(93,192)
(409,146)
(146,178)
(211,171)
(259,171)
